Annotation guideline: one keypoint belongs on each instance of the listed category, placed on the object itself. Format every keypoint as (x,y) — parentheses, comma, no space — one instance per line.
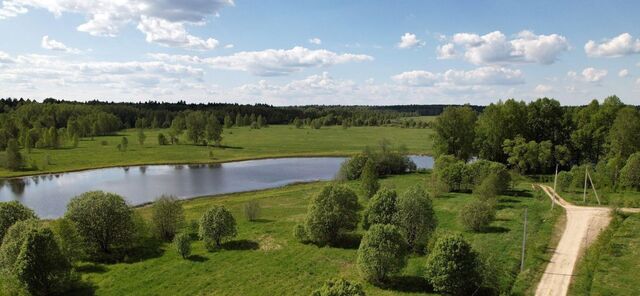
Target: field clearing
(241,144)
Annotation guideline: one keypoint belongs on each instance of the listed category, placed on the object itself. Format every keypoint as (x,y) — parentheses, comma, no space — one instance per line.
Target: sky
(320,52)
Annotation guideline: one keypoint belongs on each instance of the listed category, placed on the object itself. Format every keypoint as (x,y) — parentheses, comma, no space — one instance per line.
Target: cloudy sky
(320,52)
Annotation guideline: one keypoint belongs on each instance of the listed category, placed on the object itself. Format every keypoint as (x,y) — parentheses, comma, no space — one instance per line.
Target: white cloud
(543,88)
(446,51)
(172,34)
(623,73)
(315,41)
(478,76)
(621,45)
(409,40)
(638,81)
(51,44)
(496,48)
(228,46)
(270,62)
(588,75)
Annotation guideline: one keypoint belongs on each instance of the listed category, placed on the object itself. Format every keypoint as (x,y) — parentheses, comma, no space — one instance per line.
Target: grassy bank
(241,143)
(266,257)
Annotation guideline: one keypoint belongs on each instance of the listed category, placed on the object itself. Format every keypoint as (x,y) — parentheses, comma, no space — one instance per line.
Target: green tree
(167,215)
(12,212)
(455,132)
(261,122)
(382,253)
(196,124)
(489,188)
(252,210)
(182,243)
(162,139)
(339,287)
(297,122)
(477,215)
(14,158)
(332,211)
(214,130)
(141,137)
(228,122)
(624,136)
(239,121)
(178,125)
(369,179)
(104,220)
(452,266)
(630,173)
(69,240)
(564,181)
(592,124)
(124,143)
(416,218)
(216,225)
(497,123)
(382,209)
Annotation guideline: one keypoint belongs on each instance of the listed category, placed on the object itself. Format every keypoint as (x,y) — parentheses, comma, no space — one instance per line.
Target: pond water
(48,195)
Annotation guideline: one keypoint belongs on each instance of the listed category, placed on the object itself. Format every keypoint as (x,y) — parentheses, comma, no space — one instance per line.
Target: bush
(451,172)
(382,253)
(68,239)
(217,224)
(14,159)
(332,211)
(386,161)
(369,179)
(182,243)
(31,261)
(12,212)
(416,218)
(488,189)
(300,233)
(564,181)
(104,220)
(339,287)
(452,266)
(477,215)
(630,173)
(382,209)
(162,139)
(252,210)
(166,215)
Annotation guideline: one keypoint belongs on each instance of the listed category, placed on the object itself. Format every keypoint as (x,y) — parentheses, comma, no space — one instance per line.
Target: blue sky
(320,52)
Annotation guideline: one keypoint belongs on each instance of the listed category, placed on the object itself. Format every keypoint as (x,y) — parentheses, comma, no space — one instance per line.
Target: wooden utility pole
(594,189)
(555,183)
(524,241)
(584,194)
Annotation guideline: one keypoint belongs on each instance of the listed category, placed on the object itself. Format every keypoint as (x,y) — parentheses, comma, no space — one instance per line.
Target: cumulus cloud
(409,40)
(496,48)
(543,88)
(162,21)
(623,73)
(270,62)
(315,41)
(478,76)
(590,74)
(446,51)
(48,43)
(621,45)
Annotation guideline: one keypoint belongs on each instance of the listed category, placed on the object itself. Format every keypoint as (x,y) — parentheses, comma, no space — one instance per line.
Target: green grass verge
(243,143)
(273,263)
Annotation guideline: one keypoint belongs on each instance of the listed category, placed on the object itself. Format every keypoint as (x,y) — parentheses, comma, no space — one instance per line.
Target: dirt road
(583,226)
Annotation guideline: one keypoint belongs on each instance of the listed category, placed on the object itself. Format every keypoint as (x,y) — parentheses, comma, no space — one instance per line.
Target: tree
(141,137)
(12,212)
(489,188)
(182,243)
(339,287)
(104,220)
(564,181)
(31,259)
(624,136)
(195,124)
(455,132)
(332,211)
(167,215)
(630,173)
(297,122)
(217,224)
(416,218)
(14,159)
(228,122)
(124,143)
(382,252)
(477,215)
(162,140)
(497,123)
(382,209)
(239,121)
(214,130)
(261,122)
(252,210)
(69,240)
(369,179)
(452,266)
(178,125)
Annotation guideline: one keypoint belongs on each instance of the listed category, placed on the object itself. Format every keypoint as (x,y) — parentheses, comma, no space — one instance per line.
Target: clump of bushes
(216,225)
(12,212)
(382,209)
(252,210)
(386,160)
(455,175)
(383,252)
(182,243)
(477,215)
(452,266)
(167,215)
(339,287)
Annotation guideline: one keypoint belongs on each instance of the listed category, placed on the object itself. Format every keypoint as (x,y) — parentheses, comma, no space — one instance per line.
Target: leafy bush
(69,240)
(252,210)
(217,224)
(12,212)
(369,179)
(182,243)
(339,287)
(564,181)
(386,161)
(488,189)
(382,209)
(477,215)
(162,139)
(452,266)
(382,252)
(300,233)
(630,173)
(167,215)
(332,211)
(416,218)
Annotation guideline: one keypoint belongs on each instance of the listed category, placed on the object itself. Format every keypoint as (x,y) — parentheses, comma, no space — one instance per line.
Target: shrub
(452,266)
(104,220)
(217,224)
(416,218)
(162,139)
(382,253)
(332,211)
(386,161)
(166,215)
(564,181)
(252,210)
(68,239)
(488,188)
(182,243)
(194,229)
(630,173)
(369,179)
(477,215)
(339,287)
(12,212)
(382,209)
(300,233)
(14,160)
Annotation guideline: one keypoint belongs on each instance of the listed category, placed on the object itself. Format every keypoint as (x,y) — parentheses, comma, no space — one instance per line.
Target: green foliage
(382,208)
(339,287)
(297,122)
(300,233)
(386,161)
(332,211)
(529,156)
(228,123)
(141,137)
(564,181)
(14,159)
(416,218)
(489,188)
(162,139)
(369,179)
(451,172)
(455,132)
(252,210)
(104,220)
(477,215)
(498,122)
(452,266)
(12,212)
(216,225)
(214,130)
(167,216)
(382,253)
(195,123)
(592,124)
(630,173)
(182,243)
(69,240)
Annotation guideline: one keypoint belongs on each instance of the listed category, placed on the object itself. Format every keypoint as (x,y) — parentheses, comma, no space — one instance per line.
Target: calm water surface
(48,195)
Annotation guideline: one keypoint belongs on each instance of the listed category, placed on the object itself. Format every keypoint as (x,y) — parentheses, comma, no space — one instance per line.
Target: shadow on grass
(243,244)
(495,229)
(197,258)
(509,200)
(91,268)
(348,241)
(82,288)
(407,284)
(230,147)
(519,193)
(261,221)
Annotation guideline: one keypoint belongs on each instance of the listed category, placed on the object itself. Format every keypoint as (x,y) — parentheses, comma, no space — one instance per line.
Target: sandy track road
(583,226)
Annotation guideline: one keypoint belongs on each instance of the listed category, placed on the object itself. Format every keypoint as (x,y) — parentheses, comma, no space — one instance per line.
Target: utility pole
(584,194)
(555,179)
(594,189)
(524,241)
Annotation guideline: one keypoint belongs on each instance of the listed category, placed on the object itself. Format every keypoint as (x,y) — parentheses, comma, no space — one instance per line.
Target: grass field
(610,265)
(242,143)
(615,199)
(266,259)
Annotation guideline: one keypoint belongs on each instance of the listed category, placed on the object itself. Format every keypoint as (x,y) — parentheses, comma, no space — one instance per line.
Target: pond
(48,195)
